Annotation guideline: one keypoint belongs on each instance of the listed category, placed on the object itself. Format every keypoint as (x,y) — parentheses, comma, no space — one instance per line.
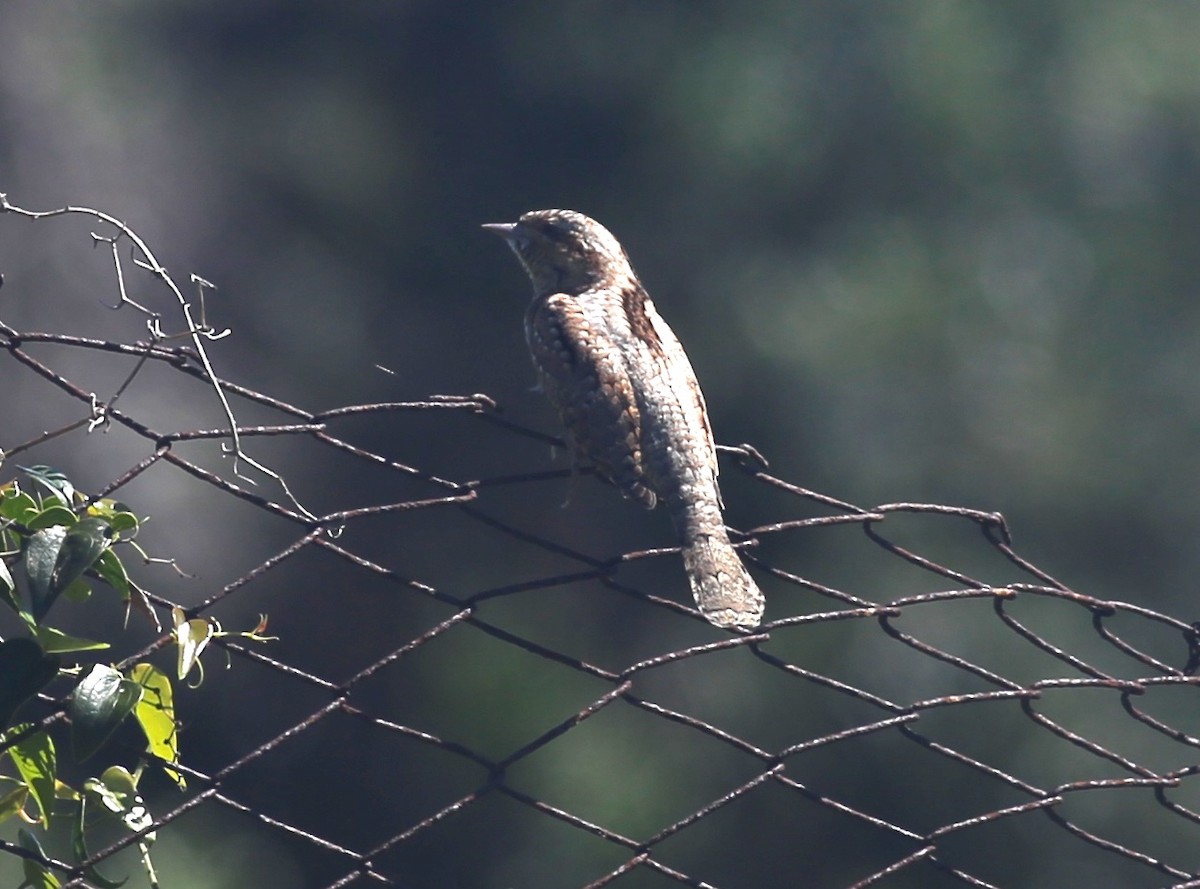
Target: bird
(627,395)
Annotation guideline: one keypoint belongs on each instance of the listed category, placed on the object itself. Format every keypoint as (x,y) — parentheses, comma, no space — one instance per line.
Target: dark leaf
(54,480)
(99,704)
(70,552)
(41,552)
(24,670)
(36,874)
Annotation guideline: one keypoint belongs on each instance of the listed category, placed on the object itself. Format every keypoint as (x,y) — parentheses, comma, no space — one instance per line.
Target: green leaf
(99,704)
(57,642)
(191,636)
(155,713)
(13,801)
(8,588)
(116,792)
(34,758)
(68,552)
(125,521)
(53,480)
(24,670)
(66,792)
(113,573)
(96,790)
(36,874)
(16,505)
(56,514)
(119,515)
(78,591)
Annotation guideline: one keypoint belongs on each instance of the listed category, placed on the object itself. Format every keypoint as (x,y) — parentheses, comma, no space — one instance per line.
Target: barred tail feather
(724,591)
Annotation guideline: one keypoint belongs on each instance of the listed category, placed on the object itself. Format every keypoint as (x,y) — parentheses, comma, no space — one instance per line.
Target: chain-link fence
(475,685)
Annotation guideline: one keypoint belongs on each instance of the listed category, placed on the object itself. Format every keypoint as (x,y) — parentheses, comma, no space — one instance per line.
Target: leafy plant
(60,545)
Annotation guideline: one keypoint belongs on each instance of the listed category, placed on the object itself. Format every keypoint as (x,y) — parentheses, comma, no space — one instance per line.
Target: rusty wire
(912,841)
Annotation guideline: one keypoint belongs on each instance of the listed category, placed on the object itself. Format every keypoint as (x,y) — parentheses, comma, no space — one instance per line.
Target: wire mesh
(474,685)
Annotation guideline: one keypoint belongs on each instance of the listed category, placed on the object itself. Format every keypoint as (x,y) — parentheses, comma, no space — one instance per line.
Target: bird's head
(564,251)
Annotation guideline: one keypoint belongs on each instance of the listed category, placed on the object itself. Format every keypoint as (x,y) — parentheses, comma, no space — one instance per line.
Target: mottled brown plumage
(627,394)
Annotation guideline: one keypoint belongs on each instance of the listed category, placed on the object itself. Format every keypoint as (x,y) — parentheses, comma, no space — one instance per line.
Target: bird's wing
(584,375)
(691,431)
(684,383)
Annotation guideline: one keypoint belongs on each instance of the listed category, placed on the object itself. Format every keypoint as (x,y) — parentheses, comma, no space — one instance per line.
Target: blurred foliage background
(934,250)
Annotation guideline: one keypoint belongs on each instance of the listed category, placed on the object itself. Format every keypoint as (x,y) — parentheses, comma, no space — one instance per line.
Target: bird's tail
(724,590)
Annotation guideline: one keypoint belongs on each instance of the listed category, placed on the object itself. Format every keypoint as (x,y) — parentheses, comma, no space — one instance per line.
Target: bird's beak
(505,230)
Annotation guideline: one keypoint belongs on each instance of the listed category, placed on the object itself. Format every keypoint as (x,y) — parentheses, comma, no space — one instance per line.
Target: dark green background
(931,251)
